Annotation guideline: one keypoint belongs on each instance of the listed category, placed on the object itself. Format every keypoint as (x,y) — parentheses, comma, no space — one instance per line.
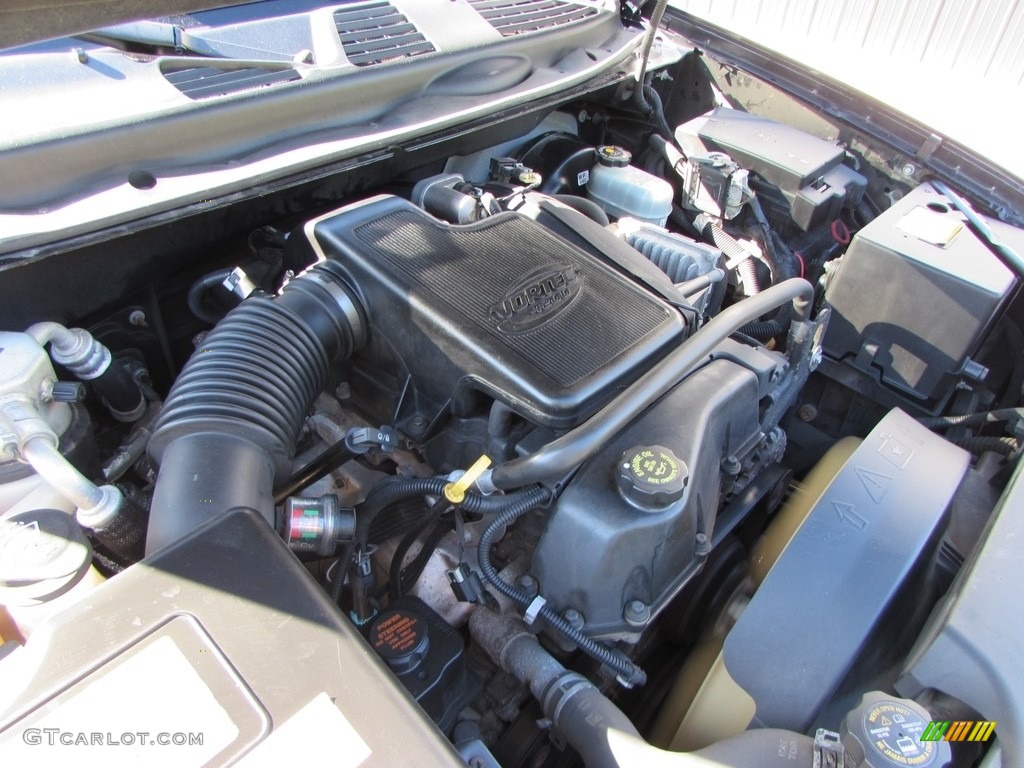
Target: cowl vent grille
(373,34)
(521,17)
(207,82)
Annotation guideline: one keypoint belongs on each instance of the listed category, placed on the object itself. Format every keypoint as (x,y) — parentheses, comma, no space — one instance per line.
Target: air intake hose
(230,424)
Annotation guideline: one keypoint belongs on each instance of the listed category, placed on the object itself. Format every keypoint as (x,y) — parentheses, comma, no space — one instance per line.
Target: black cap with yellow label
(651,477)
(885,731)
(612,156)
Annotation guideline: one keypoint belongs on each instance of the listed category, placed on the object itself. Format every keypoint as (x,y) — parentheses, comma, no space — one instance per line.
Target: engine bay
(579,424)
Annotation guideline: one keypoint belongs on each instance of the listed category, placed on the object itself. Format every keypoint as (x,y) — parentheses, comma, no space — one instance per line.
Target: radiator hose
(230,423)
(598,730)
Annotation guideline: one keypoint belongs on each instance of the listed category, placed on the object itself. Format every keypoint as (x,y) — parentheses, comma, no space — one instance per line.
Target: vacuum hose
(231,422)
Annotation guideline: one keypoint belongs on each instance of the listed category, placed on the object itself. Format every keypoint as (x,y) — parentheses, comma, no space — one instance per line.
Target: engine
(529,440)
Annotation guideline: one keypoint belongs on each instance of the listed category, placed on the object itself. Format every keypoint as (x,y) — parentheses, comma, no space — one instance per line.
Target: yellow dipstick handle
(456,492)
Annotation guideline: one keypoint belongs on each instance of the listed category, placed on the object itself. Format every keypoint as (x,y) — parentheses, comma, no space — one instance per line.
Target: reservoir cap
(884,731)
(651,477)
(43,553)
(401,638)
(613,157)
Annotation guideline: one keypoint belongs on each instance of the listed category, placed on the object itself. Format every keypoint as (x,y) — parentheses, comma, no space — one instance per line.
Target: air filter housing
(503,307)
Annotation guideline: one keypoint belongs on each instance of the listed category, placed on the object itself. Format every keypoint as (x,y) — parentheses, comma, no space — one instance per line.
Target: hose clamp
(533,610)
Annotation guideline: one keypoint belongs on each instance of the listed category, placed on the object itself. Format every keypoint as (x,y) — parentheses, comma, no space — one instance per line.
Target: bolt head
(636,613)
(574,617)
(807,412)
(528,584)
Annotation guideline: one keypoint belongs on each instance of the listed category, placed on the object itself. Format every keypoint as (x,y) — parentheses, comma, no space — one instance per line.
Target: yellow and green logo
(958,730)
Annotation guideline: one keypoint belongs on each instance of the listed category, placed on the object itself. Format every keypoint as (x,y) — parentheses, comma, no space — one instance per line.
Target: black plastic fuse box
(914,296)
(807,171)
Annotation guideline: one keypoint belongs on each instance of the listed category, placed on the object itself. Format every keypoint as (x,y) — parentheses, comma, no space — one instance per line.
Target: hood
(29,21)
(957,68)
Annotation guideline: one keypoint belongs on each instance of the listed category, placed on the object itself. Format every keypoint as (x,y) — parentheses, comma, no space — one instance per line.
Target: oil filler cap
(884,731)
(651,477)
(401,638)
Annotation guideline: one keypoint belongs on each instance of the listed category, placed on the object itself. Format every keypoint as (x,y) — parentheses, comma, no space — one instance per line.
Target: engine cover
(503,306)
(645,547)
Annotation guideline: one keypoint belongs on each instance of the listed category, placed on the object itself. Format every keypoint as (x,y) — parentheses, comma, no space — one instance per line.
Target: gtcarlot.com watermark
(53,737)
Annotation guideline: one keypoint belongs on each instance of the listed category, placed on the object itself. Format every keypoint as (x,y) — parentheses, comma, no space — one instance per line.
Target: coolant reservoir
(26,373)
(45,565)
(622,190)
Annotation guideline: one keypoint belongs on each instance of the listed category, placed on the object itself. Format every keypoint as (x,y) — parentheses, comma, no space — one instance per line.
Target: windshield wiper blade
(165,36)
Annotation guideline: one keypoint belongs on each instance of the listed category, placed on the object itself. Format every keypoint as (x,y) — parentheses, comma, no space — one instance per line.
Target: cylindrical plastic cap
(613,157)
(651,477)
(43,553)
(884,731)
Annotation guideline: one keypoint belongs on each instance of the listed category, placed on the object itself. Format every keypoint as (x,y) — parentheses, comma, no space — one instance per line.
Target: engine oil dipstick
(455,491)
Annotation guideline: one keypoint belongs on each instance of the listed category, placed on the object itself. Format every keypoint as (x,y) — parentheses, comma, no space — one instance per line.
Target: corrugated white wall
(956,65)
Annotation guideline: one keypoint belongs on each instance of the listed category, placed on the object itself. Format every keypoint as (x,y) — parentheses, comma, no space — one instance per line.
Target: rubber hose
(974,419)
(230,424)
(132,450)
(120,393)
(657,111)
(92,362)
(586,206)
(558,458)
(597,729)
(198,291)
(982,444)
(622,666)
(124,534)
(645,55)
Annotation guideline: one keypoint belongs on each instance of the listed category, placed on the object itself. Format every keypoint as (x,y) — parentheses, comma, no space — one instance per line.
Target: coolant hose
(597,729)
(559,457)
(231,421)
